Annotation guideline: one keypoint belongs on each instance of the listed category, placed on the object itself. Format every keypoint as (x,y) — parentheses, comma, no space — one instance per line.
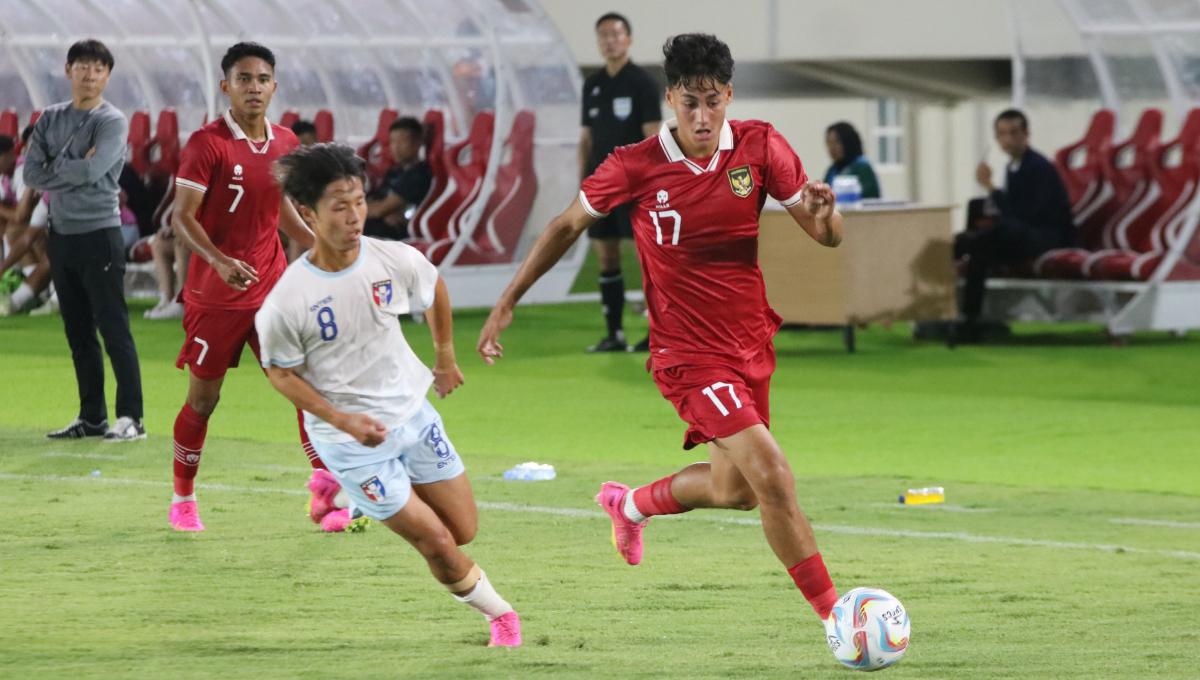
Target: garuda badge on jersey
(741,181)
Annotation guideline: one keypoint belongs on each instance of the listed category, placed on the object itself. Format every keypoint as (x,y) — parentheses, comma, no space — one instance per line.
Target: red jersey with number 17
(240,210)
(696,226)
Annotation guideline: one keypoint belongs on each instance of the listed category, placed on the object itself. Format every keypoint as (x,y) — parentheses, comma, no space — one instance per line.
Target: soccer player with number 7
(228,209)
(696,191)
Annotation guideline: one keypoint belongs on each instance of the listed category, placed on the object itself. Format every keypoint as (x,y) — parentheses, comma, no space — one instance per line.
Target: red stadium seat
(1127,172)
(1144,239)
(139,142)
(1081,164)
(164,149)
(376,152)
(10,125)
(323,121)
(503,220)
(466,164)
(289,118)
(434,127)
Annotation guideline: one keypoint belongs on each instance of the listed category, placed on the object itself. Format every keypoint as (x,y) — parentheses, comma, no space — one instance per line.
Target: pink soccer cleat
(324,487)
(626,533)
(506,631)
(336,521)
(185,517)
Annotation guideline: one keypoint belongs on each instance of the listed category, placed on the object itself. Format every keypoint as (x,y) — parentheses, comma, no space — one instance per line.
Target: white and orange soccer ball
(868,630)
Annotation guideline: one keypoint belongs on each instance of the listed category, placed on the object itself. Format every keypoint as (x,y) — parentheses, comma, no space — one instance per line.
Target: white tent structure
(352,58)
(1128,56)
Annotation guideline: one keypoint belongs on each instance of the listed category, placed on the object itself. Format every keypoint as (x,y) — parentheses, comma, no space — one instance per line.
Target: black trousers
(89,276)
(1005,241)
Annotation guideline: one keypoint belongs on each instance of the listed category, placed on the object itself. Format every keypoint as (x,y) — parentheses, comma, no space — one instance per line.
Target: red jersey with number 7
(240,210)
(696,226)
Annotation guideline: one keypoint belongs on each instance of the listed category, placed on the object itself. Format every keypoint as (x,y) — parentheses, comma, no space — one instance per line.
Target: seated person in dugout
(404,185)
(846,153)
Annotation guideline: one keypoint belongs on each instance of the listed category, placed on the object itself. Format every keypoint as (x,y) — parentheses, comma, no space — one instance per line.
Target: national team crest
(741,181)
(373,489)
(381,291)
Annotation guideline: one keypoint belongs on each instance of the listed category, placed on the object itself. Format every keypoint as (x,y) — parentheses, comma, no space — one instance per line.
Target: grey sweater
(83,191)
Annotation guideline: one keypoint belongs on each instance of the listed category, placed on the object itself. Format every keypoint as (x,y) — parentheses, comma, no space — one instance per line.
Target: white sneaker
(149,314)
(6,304)
(171,310)
(126,429)
(46,308)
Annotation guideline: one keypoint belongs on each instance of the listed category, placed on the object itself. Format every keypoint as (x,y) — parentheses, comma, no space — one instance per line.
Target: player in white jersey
(331,343)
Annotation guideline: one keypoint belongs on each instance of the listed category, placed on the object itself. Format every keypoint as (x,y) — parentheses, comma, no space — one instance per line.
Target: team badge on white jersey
(381,291)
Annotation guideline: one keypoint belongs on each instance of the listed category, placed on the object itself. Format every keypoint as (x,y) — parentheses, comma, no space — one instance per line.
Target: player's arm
(549,248)
(446,373)
(817,214)
(22,244)
(365,429)
(385,206)
(293,225)
(236,273)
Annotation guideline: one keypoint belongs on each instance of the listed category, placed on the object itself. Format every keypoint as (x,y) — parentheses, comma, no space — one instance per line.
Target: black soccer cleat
(79,429)
(609,344)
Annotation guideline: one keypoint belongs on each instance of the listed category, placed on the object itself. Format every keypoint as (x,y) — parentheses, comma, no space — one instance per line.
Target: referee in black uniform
(621,105)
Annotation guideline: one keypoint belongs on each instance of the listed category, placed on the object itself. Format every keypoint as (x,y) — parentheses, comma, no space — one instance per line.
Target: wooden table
(894,264)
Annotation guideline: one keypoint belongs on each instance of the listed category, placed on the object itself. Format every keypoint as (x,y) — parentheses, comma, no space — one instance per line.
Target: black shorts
(615,226)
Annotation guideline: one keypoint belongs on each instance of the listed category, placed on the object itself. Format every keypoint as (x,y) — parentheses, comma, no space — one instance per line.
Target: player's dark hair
(306,172)
(1013,114)
(90,50)
(242,50)
(7,144)
(613,16)
(697,60)
(852,146)
(408,124)
(304,127)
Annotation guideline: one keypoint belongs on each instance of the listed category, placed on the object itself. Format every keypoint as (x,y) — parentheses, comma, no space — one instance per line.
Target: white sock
(484,599)
(22,296)
(631,510)
(341,500)
(28,269)
(176,498)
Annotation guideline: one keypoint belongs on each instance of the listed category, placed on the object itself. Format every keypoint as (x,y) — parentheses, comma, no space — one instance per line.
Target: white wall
(805,30)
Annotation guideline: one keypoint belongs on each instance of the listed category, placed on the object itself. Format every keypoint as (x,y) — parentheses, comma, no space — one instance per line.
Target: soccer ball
(868,629)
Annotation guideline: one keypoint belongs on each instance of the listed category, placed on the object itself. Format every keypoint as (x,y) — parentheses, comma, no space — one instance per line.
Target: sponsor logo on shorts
(373,489)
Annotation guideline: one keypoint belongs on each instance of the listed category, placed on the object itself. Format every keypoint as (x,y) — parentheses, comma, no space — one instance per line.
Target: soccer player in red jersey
(227,209)
(697,190)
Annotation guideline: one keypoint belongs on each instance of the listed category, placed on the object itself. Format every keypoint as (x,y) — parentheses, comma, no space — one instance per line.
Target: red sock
(812,578)
(313,459)
(190,428)
(656,499)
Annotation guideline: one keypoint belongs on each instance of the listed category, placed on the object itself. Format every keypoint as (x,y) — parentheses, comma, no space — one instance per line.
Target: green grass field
(1069,546)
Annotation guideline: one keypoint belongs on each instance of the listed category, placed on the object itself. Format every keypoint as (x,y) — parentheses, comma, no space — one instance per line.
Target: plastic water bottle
(847,189)
(925,496)
(530,472)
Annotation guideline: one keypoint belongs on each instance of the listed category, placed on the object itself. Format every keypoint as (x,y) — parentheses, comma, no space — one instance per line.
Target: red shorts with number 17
(215,338)
(719,400)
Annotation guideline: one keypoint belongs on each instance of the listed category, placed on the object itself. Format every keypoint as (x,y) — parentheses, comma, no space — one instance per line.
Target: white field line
(944,507)
(88,456)
(1155,523)
(960,536)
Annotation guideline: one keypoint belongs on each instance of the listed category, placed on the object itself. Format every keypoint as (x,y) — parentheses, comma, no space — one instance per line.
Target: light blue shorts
(418,452)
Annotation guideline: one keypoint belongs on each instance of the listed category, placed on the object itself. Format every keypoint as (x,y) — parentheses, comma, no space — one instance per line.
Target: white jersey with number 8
(340,332)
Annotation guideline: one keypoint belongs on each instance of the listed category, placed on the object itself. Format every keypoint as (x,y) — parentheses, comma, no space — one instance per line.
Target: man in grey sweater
(76,154)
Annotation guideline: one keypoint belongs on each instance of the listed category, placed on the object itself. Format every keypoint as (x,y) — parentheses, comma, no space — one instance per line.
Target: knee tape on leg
(467,582)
